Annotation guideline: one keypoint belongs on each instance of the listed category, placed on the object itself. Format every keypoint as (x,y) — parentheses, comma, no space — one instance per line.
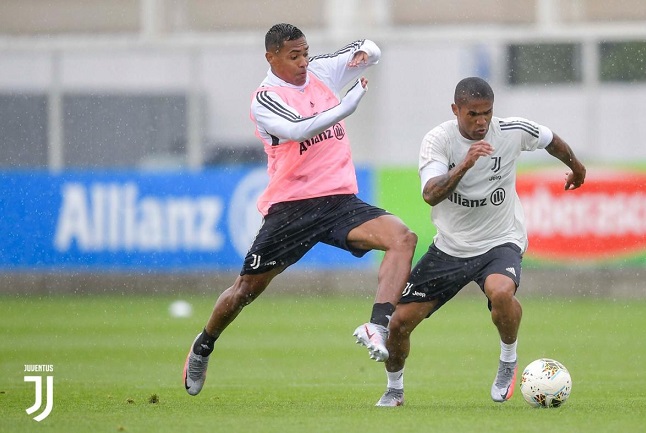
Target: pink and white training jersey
(302,128)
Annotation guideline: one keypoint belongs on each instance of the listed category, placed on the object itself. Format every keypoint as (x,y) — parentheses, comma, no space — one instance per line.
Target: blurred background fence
(128,161)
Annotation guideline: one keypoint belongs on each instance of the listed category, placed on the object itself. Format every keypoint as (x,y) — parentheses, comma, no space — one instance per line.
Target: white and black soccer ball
(546,383)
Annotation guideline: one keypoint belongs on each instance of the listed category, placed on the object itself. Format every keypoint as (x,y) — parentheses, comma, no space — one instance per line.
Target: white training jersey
(484,211)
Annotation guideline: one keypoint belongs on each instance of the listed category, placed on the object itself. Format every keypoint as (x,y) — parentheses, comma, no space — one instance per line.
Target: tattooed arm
(440,187)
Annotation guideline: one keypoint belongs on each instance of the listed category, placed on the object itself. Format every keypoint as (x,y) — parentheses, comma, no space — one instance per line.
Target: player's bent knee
(410,240)
(407,242)
(246,292)
(400,328)
(501,295)
(394,328)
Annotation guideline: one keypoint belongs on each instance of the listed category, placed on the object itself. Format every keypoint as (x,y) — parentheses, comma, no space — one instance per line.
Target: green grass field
(289,364)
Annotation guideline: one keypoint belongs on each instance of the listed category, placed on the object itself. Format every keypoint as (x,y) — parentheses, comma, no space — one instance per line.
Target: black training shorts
(290,229)
(440,276)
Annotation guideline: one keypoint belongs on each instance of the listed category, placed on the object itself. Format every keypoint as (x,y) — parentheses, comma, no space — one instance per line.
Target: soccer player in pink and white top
(311,195)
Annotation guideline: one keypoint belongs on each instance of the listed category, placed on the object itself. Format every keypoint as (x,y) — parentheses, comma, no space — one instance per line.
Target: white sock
(508,351)
(396,379)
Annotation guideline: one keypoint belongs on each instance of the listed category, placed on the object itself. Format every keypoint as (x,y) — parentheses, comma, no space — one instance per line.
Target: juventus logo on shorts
(255,262)
(407,289)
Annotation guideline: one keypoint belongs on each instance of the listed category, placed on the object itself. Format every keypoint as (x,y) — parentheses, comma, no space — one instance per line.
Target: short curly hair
(472,88)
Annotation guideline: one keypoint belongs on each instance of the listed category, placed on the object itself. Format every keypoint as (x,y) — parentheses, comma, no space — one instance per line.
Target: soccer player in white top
(467,168)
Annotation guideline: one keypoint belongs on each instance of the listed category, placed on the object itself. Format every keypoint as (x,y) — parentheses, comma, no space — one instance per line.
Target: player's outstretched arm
(283,121)
(341,68)
(559,149)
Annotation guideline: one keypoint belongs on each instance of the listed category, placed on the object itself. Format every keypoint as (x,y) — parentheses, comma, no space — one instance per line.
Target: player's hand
(477,150)
(575,179)
(359,58)
(364,82)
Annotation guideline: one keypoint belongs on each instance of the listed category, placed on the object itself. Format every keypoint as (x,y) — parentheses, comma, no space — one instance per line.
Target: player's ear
(454,108)
(270,57)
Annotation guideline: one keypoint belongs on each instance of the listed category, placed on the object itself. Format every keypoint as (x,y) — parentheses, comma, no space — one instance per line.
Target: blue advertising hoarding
(137,221)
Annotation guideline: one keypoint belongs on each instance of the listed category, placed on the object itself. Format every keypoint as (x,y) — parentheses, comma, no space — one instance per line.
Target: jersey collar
(273,80)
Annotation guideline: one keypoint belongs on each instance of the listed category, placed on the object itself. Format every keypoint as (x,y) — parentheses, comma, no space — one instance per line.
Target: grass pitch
(288,364)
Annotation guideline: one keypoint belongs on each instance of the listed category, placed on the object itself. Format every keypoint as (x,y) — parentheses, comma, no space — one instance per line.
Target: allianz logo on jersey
(335,131)
(496,198)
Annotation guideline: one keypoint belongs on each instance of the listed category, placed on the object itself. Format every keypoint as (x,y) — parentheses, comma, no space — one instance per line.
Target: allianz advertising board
(166,221)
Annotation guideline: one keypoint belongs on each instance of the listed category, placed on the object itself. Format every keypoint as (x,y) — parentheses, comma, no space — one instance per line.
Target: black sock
(204,344)
(381,313)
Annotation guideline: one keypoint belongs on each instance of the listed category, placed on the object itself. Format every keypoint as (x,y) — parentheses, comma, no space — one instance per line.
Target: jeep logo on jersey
(497,197)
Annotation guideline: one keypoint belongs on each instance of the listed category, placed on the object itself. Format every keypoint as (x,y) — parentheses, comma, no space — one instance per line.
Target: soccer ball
(545,383)
(180,309)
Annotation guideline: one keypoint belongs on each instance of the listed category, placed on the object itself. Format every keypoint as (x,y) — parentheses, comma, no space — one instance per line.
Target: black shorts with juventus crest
(440,276)
(290,229)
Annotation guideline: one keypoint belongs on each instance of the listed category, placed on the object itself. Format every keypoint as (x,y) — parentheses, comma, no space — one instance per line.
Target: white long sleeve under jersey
(279,122)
